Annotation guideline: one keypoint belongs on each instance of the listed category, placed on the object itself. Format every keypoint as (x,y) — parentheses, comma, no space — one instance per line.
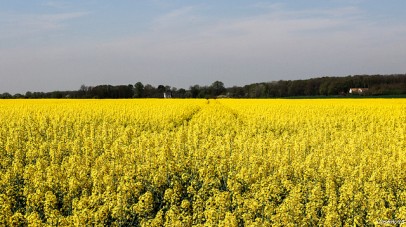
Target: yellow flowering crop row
(225,162)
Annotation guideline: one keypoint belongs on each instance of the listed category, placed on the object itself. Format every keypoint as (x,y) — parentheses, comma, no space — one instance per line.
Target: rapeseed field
(225,162)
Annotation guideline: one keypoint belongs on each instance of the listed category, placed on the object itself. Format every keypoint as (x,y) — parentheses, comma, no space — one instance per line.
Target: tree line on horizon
(324,86)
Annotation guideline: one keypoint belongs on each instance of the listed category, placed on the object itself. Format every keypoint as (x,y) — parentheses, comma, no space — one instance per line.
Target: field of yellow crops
(226,162)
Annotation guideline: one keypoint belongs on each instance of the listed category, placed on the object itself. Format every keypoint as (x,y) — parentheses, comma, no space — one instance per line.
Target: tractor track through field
(185,121)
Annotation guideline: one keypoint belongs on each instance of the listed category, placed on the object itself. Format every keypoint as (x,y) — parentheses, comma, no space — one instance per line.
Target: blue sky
(48,45)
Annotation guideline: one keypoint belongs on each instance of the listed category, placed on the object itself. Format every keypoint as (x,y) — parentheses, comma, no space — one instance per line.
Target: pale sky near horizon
(48,45)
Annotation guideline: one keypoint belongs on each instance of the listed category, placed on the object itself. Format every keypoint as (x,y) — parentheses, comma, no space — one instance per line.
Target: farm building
(167,95)
(358,90)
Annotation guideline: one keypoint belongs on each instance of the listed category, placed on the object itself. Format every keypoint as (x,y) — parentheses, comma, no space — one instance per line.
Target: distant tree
(18,96)
(205,92)
(38,95)
(323,89)
(217,88)
(296,88)
(161,89)
(181,93)
(6,95)
(56,95)
(174,92)
(195,90)
(138,90)
(282,88)
(272,89)
(188,94)
(261,90)
(150,91)
(257,90)
(376,84)
(83,90)
(236,92)
(129,91)
(28,94)
(311,88)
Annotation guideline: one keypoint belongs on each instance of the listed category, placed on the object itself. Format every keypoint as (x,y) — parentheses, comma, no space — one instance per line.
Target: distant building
(358,91)
(222,96)
(167,95)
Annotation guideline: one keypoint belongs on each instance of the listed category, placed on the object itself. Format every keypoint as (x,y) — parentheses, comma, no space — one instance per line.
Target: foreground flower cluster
(202,162)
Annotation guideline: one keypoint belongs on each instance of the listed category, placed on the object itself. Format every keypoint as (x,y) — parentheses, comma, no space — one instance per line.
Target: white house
(167,95)
(358,90)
